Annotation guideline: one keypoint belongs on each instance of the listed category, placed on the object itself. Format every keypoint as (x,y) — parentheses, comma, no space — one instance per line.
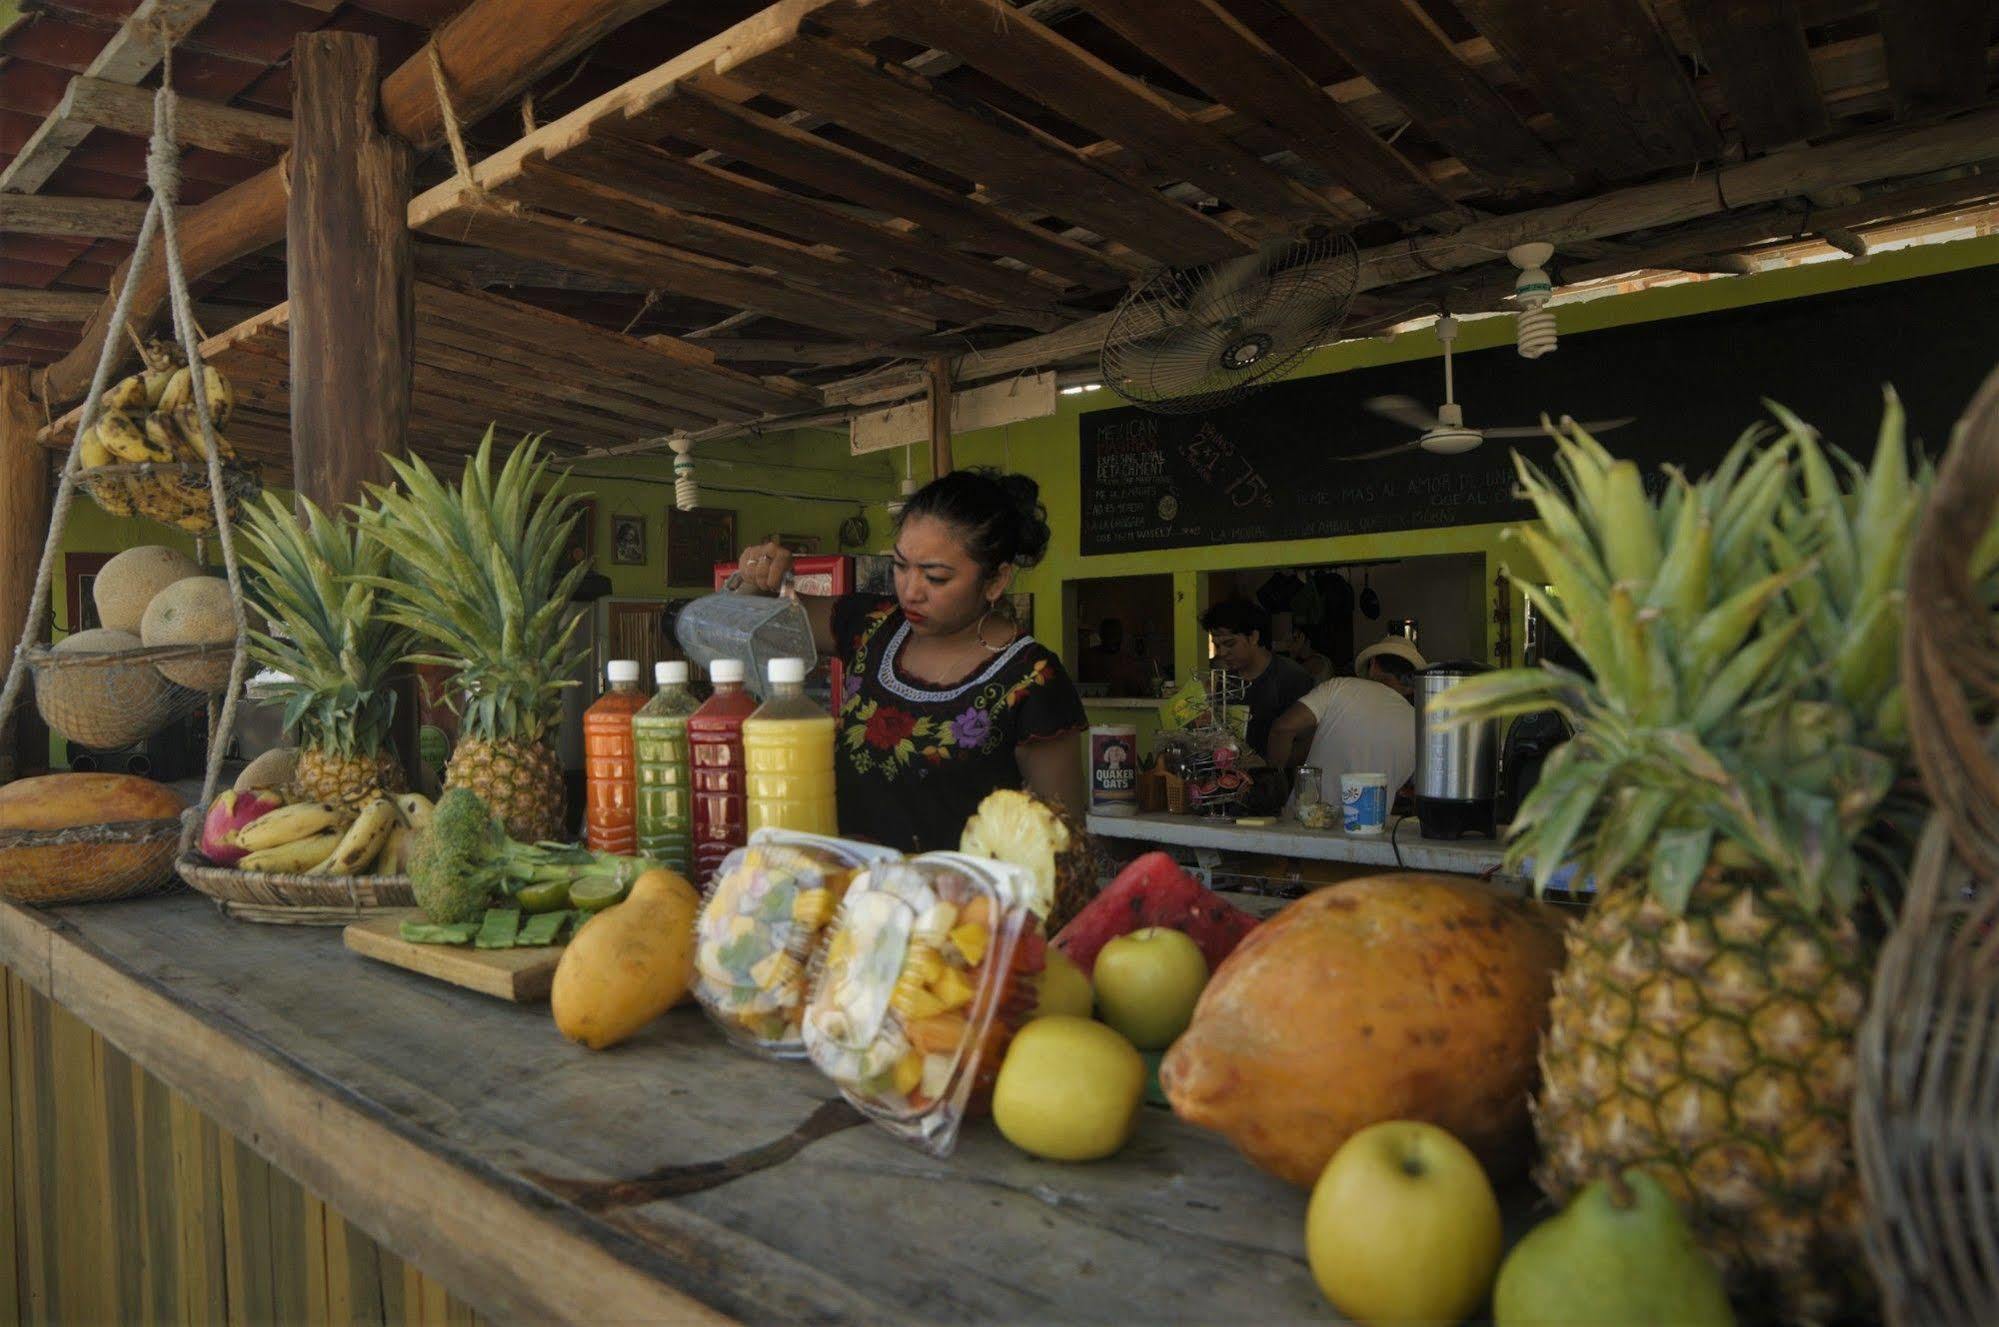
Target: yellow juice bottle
(788,757)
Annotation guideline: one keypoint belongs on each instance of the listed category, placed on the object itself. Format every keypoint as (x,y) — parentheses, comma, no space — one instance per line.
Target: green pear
(1617,1256)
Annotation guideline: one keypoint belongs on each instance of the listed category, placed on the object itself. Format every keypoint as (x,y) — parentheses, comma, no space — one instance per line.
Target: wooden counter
(1402,847)
(466,1136)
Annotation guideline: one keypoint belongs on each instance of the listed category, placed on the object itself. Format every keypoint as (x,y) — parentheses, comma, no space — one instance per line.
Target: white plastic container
(1363,804)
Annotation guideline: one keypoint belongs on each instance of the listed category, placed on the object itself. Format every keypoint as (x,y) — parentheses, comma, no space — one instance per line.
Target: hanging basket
(106,699)
(296,900)
(88,863)
(1926,1110)
(173,493)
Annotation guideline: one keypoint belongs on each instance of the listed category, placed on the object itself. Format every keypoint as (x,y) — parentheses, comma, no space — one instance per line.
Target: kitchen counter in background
(1402,847)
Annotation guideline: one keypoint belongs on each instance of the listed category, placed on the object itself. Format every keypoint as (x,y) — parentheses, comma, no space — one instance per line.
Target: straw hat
(1399,646)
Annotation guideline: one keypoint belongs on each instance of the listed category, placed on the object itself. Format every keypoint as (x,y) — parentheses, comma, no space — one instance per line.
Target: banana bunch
(150,417)
(320,838)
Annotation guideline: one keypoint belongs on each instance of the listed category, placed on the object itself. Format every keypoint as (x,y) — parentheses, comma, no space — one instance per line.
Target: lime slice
(595,895)
(550,896)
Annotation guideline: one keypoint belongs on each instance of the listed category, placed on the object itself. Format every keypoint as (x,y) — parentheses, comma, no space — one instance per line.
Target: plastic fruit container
(924,978)
(767,907)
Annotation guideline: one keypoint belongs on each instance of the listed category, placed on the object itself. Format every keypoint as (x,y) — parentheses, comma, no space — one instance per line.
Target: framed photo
(695,542)
(1023,612)
(801,545)
(582,546)
(628,540)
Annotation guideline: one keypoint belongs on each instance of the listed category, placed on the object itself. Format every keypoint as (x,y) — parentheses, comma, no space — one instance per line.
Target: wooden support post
(940,416)
(348,270)
(24,525)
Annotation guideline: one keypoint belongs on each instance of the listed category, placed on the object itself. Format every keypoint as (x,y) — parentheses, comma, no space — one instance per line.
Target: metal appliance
(1456,768)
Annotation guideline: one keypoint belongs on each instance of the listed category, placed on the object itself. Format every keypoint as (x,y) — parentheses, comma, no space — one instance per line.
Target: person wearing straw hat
(1360,724)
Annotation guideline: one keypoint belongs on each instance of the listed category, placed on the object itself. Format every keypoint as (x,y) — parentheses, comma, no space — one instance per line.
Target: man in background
(1359,725)
(1239,640)
(1391,661)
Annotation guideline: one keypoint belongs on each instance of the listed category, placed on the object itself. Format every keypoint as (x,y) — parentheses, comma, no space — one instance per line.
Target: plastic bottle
(715,754)
(659,737)
(610,775)
(788,755)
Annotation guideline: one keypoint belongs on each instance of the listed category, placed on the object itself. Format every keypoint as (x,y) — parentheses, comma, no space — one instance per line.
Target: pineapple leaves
(1679,856)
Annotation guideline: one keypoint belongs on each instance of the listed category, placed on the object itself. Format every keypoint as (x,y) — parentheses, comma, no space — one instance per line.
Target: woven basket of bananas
(102,689)
(305,862)
(293,899)
(171,492)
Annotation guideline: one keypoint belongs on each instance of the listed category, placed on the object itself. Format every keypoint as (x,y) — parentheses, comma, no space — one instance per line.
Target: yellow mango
(914,1002)
(632,963)
(952,989)
(908,1073)
(812,907)
(970,939)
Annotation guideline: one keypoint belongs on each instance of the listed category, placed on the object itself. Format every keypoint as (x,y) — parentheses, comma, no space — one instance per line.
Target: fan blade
(1536,431)
(1396,450)
(1404,410)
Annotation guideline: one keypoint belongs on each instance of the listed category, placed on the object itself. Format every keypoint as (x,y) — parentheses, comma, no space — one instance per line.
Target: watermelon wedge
(1154,891)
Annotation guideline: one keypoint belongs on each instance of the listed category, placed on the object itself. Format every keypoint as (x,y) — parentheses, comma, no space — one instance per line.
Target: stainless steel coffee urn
(1457,768)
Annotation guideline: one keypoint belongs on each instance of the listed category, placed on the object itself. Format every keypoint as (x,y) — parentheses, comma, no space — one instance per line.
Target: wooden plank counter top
(670,1180)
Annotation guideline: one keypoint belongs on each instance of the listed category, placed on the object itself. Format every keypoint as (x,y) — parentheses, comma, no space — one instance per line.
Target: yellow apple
(1403,1226)
(1064,989)
(1147,983)
(1069,1089)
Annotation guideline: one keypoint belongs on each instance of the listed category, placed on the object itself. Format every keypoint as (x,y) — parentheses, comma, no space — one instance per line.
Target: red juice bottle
(610,766)
(715,750)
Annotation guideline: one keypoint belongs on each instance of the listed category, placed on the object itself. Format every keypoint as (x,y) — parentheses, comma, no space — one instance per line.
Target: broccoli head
(462,861)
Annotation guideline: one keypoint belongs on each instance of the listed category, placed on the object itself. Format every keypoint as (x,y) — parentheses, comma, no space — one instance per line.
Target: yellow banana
(163,431)
(288,824)
(364,840)
(395,853)
(95,453)
(189,425)
(294,858)
(416,809)
(156,381)
(114,495)
(127,394)
(180,392)
(127,441)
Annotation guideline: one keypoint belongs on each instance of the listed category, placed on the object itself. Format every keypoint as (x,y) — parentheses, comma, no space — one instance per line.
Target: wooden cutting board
(520,975)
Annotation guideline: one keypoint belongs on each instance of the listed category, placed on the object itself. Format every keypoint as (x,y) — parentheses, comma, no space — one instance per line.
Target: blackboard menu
(1271,468)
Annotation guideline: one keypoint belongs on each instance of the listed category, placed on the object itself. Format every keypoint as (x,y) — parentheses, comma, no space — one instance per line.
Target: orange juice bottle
(610,766)
(788,757)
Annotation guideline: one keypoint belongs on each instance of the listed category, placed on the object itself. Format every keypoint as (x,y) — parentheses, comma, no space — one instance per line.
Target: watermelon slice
(1154,891)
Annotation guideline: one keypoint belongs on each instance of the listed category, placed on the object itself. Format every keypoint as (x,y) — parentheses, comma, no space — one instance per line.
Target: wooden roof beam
(490,51)
(1758,50)
(129,110)
(83,218)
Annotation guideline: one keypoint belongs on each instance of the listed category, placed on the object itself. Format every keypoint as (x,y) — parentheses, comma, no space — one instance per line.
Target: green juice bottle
(666,806)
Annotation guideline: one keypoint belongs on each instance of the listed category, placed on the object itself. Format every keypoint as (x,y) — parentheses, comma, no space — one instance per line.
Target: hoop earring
(980,632)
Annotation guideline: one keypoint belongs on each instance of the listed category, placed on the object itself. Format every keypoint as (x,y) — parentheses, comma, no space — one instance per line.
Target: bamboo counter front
(671,1180)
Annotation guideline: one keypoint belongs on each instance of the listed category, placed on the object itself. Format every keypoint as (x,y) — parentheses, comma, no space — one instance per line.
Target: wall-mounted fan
(1445,431)
(1192,339)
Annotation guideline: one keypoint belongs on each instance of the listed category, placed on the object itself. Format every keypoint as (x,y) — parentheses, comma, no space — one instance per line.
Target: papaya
(70,801)
(632,963)
(1397,997)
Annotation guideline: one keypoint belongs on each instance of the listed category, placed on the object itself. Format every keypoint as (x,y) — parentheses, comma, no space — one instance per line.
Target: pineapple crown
(476,574)
(1744,708)
(311,581)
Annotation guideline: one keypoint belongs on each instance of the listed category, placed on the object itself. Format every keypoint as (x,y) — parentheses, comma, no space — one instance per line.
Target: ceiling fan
(1445,431)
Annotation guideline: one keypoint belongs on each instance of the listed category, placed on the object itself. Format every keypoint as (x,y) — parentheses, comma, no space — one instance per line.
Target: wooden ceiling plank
(1757,48)
(905,111)
(1608,72)
(775,350)
(48,306)
(1036,61)
(483,267)
(1397,46)
(589,249)
(128,57)
(226,129)
(672,181)
(1936,54)
(660,405)
(565,193)
(690,112)
(88,218)
(1210,48)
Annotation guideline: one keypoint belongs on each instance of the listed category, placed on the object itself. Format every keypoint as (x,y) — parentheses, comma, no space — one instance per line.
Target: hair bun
(1000,515)
(1031,518)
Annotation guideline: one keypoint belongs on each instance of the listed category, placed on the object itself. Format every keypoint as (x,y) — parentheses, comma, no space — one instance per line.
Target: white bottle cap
(786,670)
(670,673)
(622,670)
(726,670)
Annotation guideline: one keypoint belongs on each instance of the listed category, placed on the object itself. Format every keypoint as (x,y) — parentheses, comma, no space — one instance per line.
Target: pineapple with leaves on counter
(480,577)
(331,644)
(1738,741)
(1018,827)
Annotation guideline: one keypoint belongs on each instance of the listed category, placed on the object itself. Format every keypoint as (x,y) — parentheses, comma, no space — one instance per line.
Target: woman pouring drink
(947,698)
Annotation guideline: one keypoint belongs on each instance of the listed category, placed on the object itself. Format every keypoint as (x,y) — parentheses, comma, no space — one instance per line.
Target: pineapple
(1017,827)
(479,576)
(333,647)
(1738,744)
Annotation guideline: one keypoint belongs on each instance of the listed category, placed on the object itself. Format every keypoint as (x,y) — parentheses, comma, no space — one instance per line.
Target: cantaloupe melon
(195,611)
(73,872)
(273,769)
(102,706)
(128,582)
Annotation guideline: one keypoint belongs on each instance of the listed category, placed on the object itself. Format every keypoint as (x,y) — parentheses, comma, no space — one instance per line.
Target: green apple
(1403,1226)
(1147,983)
(1064,989)
(1069,1089)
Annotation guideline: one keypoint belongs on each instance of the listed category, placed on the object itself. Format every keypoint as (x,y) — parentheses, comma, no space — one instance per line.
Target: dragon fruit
(230,811)
(1154,891)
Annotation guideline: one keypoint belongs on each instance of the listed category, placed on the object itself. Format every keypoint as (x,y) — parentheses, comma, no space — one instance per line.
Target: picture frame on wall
(695,542)
(582,546)
(628,539)
(1022,607)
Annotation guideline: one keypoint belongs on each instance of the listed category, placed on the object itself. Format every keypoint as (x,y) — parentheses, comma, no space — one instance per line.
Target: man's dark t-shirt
(1276,689)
